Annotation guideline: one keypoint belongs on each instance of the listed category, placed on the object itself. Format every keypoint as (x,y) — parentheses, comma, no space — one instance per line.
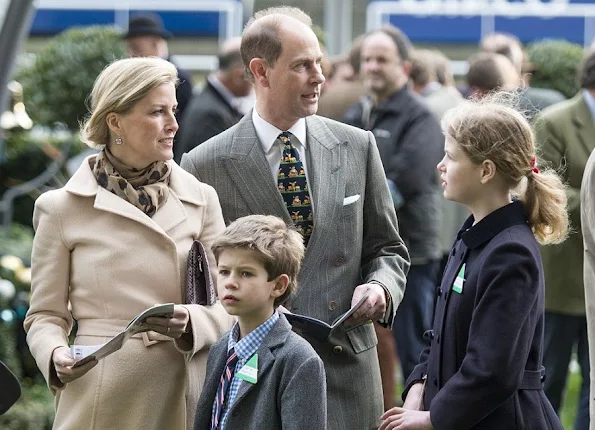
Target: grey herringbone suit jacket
(289,393)
(350,244)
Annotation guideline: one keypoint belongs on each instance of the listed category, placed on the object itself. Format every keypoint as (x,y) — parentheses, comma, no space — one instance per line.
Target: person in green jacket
(566,133)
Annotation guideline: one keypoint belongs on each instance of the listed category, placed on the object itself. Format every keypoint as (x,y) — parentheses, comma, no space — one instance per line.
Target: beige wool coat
(99,260)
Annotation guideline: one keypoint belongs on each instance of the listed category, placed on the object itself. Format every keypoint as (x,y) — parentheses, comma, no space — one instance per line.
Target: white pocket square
(351,199)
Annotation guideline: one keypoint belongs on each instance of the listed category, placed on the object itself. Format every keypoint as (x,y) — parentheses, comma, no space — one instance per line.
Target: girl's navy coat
(484,365)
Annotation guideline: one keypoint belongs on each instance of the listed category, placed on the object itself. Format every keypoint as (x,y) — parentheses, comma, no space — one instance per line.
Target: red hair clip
(534,166)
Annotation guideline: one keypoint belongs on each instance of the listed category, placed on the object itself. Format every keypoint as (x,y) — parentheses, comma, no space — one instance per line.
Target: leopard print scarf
(147,189)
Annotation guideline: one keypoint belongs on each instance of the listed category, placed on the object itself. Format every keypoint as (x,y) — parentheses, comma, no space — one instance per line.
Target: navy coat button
(428,334)
(439,291)
(435,381)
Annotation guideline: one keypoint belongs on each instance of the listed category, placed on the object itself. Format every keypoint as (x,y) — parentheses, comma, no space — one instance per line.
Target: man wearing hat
(146,37)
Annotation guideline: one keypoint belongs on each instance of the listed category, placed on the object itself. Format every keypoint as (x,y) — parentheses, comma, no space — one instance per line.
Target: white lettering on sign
(525,8)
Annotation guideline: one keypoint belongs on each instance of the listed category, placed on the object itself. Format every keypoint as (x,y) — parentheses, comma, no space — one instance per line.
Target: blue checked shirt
(244,349)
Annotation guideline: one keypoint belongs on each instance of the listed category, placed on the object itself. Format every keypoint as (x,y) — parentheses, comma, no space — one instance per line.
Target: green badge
(457,287)
(249,372)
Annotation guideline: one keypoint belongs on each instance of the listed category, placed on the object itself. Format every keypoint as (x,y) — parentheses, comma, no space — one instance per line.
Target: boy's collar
(247,345)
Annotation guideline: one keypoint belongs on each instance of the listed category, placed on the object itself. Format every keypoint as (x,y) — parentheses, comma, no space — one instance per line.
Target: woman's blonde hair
(492,129)
(118,88)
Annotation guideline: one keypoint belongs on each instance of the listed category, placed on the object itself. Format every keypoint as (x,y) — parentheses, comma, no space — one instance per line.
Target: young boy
(261,375)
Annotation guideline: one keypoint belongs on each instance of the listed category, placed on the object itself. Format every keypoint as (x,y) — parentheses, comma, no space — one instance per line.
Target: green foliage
(8,350)
(58,82)
(16,240)
(570,402)
(34,410)
(28,154)
(556,63)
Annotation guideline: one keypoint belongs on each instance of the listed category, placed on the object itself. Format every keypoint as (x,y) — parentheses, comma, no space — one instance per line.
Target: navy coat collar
(502,218)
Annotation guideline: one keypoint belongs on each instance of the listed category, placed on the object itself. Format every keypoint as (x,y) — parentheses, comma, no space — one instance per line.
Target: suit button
(332,305)
(438,339)
(435,381)
(439,291)
(338,349)
(454,252)
(339,261)
(428,334)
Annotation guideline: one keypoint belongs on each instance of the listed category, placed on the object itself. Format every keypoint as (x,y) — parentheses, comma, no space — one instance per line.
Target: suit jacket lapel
(584,123)
(173,213)
(275,338)
(218,354)
(248,168)
(326,183)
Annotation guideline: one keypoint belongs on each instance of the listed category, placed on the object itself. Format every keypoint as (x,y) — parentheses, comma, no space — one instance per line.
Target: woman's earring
(118,141)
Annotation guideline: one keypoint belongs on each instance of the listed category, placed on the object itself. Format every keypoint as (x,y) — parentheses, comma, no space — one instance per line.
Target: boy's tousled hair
(491,128)
(278,246)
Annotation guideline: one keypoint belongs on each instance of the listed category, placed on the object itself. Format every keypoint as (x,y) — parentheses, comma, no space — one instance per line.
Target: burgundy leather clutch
(199,282)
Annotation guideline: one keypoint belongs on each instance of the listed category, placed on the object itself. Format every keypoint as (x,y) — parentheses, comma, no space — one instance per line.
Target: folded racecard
(84,353)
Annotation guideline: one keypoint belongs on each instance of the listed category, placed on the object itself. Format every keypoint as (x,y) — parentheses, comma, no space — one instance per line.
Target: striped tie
(292,184)
(224,383)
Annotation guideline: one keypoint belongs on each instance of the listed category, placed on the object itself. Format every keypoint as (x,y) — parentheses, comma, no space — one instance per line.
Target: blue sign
(180,23)
(465,21)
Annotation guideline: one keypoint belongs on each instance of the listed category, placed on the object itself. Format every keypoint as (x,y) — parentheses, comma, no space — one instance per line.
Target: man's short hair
(489,71)
(587,71)
(279,247)
(400,39)
(442,67)
(505,44)
(355,54)
(228,59)
(423,68)
(263,40)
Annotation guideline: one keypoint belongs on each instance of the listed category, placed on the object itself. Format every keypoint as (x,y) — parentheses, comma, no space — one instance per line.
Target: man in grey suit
(354,247)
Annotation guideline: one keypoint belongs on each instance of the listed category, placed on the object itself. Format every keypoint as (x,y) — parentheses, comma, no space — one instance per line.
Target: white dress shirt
(227,95)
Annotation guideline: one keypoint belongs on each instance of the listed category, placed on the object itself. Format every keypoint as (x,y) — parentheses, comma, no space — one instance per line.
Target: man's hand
(373,308)
(63,363)
(405,419)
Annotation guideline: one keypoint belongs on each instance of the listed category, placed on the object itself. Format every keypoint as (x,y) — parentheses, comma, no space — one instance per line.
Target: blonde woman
(113,242)
(484,369)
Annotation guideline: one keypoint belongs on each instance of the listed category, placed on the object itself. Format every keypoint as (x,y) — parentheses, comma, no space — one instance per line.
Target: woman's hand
(405,419)
(175,326)
(413,399)
(63,363)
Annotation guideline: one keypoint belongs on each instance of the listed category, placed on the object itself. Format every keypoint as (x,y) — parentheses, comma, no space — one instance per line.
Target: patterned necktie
(293,187)
(224,383)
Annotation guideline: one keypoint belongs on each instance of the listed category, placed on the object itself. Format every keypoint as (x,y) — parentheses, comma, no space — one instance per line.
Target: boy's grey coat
(289,393)
(351,244)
